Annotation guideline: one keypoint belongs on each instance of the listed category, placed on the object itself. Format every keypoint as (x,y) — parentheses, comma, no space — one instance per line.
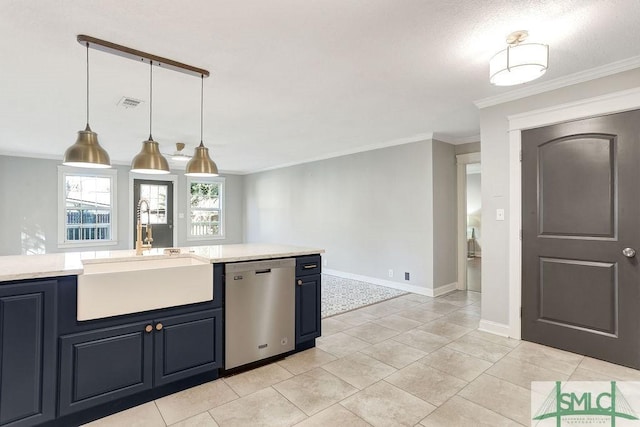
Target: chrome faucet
(148,240)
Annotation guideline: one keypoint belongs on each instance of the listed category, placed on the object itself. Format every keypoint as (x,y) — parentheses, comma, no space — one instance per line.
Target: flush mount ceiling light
(519,62)
(86,151)
(201,164)
(150,160)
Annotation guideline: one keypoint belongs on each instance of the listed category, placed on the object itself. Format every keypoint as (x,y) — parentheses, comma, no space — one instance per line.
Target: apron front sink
(114,288)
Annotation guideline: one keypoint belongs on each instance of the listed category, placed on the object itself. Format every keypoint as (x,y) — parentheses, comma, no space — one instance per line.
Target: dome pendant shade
(201,164)
(149,160)
(519,64)
(86,152)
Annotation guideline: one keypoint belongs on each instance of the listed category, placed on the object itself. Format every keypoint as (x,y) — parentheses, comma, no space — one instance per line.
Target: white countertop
(20,267)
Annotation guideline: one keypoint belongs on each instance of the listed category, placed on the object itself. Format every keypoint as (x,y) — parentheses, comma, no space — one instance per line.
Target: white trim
(462,160)
(579,77)
(112,174)
(444,289)
(221,194)
(382,282)
(515,224)
(606,104)
(174,181)
(456,141)
(494,328)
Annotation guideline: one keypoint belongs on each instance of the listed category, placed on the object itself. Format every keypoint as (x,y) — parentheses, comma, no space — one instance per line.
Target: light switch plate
(499,214)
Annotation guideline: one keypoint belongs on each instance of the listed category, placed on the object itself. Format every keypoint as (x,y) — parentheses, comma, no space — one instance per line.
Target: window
(156,195)
(87,207)
(206,208)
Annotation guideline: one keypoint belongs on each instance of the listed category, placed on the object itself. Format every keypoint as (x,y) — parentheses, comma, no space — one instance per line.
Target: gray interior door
(580,210)
(159,194)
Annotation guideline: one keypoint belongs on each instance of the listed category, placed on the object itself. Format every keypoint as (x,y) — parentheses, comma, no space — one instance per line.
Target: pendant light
(150,160)
(519,62)
(86,152)
(201,164)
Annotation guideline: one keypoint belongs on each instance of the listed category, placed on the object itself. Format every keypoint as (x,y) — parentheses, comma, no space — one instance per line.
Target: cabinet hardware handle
(310,266)
(299,282)
(159,327)
(148,328)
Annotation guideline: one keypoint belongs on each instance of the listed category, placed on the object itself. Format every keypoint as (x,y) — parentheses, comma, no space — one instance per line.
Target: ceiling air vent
(128,102)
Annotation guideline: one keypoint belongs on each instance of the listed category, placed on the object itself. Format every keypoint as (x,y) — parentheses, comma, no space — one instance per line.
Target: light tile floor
(429,366)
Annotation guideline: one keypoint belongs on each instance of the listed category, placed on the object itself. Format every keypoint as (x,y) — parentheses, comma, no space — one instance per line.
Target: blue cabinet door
(27,353)
(308,313)
(187,345)
(103,365)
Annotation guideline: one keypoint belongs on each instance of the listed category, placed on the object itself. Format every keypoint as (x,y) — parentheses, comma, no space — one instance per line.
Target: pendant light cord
(201,105)
(87,84)
(150,98)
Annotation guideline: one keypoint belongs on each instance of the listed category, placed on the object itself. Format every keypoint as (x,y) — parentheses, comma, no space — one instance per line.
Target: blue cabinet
(99,366)
(27,352)
(103,365)
(308,299)
(187,345)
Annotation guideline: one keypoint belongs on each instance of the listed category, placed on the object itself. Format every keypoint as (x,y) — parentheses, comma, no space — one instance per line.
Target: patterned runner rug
(340,295)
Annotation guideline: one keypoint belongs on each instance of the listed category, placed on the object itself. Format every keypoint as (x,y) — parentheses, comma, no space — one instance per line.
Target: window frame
(63,172)
(221,194)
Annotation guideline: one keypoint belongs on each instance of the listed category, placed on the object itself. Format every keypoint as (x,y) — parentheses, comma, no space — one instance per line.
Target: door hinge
(521,312)
(520,155)
(520,234)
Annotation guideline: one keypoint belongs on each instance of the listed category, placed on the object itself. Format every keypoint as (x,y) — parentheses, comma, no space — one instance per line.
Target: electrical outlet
(406,275)
(324,262)
(390,273)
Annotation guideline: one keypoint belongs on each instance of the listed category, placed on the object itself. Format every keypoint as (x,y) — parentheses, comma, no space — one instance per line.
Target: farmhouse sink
(113,288)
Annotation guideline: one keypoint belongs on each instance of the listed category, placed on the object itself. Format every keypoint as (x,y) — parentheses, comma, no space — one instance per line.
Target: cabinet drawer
(308,265)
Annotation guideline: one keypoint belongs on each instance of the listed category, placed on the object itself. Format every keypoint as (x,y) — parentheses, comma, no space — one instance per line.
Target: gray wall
(444,214)
(370,211)
(29,208)
(495,180)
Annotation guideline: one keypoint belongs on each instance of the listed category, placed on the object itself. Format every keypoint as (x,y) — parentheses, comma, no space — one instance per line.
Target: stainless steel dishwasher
(259,310)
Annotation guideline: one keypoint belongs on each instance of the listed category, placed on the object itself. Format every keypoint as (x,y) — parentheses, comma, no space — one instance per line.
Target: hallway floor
(408,361)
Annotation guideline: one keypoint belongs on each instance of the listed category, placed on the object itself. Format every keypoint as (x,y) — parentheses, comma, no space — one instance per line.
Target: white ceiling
(290,80)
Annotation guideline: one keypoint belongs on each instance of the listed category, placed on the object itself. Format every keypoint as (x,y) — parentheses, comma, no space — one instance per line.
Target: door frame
(462,160)
(611,103)
(174,181)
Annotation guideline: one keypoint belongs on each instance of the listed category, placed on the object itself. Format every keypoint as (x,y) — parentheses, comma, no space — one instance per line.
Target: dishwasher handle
(265,271)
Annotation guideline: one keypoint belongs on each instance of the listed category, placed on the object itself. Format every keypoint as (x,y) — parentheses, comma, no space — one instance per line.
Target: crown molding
(560,82)
(456,141)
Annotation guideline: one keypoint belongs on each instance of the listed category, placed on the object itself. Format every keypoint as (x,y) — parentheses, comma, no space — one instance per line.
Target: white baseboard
(388,283)
(450,287)
(494,328)
(422,290)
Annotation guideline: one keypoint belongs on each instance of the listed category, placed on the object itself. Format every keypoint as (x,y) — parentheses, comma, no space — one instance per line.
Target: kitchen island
(59,370)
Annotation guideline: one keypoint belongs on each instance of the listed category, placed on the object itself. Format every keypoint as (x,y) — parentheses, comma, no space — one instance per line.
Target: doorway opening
(469,222)
(473,227)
